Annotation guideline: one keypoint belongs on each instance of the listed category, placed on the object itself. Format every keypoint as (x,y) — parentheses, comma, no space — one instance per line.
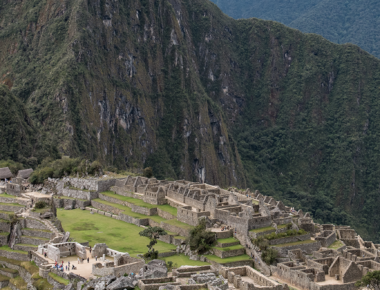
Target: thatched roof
(25,173)
(5,173)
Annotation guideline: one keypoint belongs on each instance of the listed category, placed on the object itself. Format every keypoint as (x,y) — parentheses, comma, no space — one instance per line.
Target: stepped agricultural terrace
(314,257)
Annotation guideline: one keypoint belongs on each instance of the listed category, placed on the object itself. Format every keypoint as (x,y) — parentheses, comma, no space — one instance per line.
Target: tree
(153,233)
(201,240)
(372,280)
(148,172)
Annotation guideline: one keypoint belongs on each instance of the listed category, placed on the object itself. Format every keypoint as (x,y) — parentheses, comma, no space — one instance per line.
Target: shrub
(40,204)
(148,172)
(372,279)
(269,255)
(201,240)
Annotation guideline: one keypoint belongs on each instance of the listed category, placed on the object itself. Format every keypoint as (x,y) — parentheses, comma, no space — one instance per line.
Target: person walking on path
(88,260)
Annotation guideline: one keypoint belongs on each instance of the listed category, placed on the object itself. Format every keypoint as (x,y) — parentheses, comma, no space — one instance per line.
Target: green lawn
(27,245)
(8,195)
(237,247)
(168,208)
(183,260)
(8,249)
(261,230)
(228,260)
(128,211)
(4,278)
(295,243)
(59,279)
(179,224)
(118,235)
(227,241)
(12,204)
(336,245)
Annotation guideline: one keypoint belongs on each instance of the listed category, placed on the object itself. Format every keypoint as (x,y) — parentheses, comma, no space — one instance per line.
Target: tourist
(96,258)
(68,264)
(90,249)
(88,260)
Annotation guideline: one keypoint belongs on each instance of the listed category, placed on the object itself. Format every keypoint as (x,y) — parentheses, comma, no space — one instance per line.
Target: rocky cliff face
(179,86)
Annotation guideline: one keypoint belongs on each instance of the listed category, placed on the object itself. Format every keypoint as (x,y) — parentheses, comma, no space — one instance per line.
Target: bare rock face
(123,283)
(47,215)
(154,269)
(68,207)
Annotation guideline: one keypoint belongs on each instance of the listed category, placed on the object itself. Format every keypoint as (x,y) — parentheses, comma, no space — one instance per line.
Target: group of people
(62,267)
(225,228)
(80,261)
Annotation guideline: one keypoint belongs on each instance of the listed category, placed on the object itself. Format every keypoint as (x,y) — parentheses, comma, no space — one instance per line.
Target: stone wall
(14,255)
(124,192)
(132,220)
(155,283)
(13,208)
(35,233)
(129,268)
(289,239)
(106,207)
(13,200)
(111,199)
(5,226)
(3,240)
(171,228)
(53,253)
(35,224)
(186,215)
(165,214)
(227,254)
(73,203)
(74,193)
(308,248)
(326,238)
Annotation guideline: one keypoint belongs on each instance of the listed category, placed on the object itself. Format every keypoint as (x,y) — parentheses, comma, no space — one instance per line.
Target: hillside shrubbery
(64,167)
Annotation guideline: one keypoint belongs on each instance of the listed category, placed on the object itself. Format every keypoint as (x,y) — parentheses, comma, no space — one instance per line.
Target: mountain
(339,21)
(181,87)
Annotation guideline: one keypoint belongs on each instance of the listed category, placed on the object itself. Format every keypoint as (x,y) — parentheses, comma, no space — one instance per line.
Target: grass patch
(6,212)
(19,283)
(227,241)
(168,208)
(118,235)
(180,238)
(336,245)
(7,195)
(10,261)
(4,221)
(237,247)
(4,278)
(183,260)
(228,260)
(177,223)
(27,245)
(11,204)
(38,238)
(41,210)
(59,279)
(36,230)
(294,243)
(43,284)
(255,202)
(31,267)
(261,230)
(4,234)
(8,270)
(8,249)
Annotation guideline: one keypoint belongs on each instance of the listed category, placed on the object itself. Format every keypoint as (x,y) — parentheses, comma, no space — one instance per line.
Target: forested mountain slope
(340,21)
(181,87)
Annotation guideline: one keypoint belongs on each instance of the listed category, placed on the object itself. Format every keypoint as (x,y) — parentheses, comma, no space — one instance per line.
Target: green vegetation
(11,204)
(325,17)
(228,260)
(261,230)
(59,279)
(42,284)
(231,248)
(201,240)
(11,261)
(8,249)
(19,283)
(336,245)
(295,243)
(117,234)
(28,245)
(31,267)
(4,234)
(4,278)
(181,259)
(7,195)
(227,240)
(372,279)
(152,233)
(288,233)
(5,269)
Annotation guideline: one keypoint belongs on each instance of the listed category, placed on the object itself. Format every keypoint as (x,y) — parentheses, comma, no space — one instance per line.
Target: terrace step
(11,273)
(25,247)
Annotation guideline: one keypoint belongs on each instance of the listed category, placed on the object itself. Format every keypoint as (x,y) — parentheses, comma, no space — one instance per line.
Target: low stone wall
(154,284)
(166,254)
(227,254)
(106,207)
(224,234)
(5,226)
(289,239)
(232,264)
(142,210)
(55,284)
(24,248)
(226,245)
(74,193)
(14,255)
(351,243)
(36,233)
(327,240)
(4,216)
(35,224)
(32,241)
(165,214)
(308,248)
(73,203)
(12,208)
(13,200)
(111,199)
(132,220)
(125,192)
(171,228)
(3,240)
